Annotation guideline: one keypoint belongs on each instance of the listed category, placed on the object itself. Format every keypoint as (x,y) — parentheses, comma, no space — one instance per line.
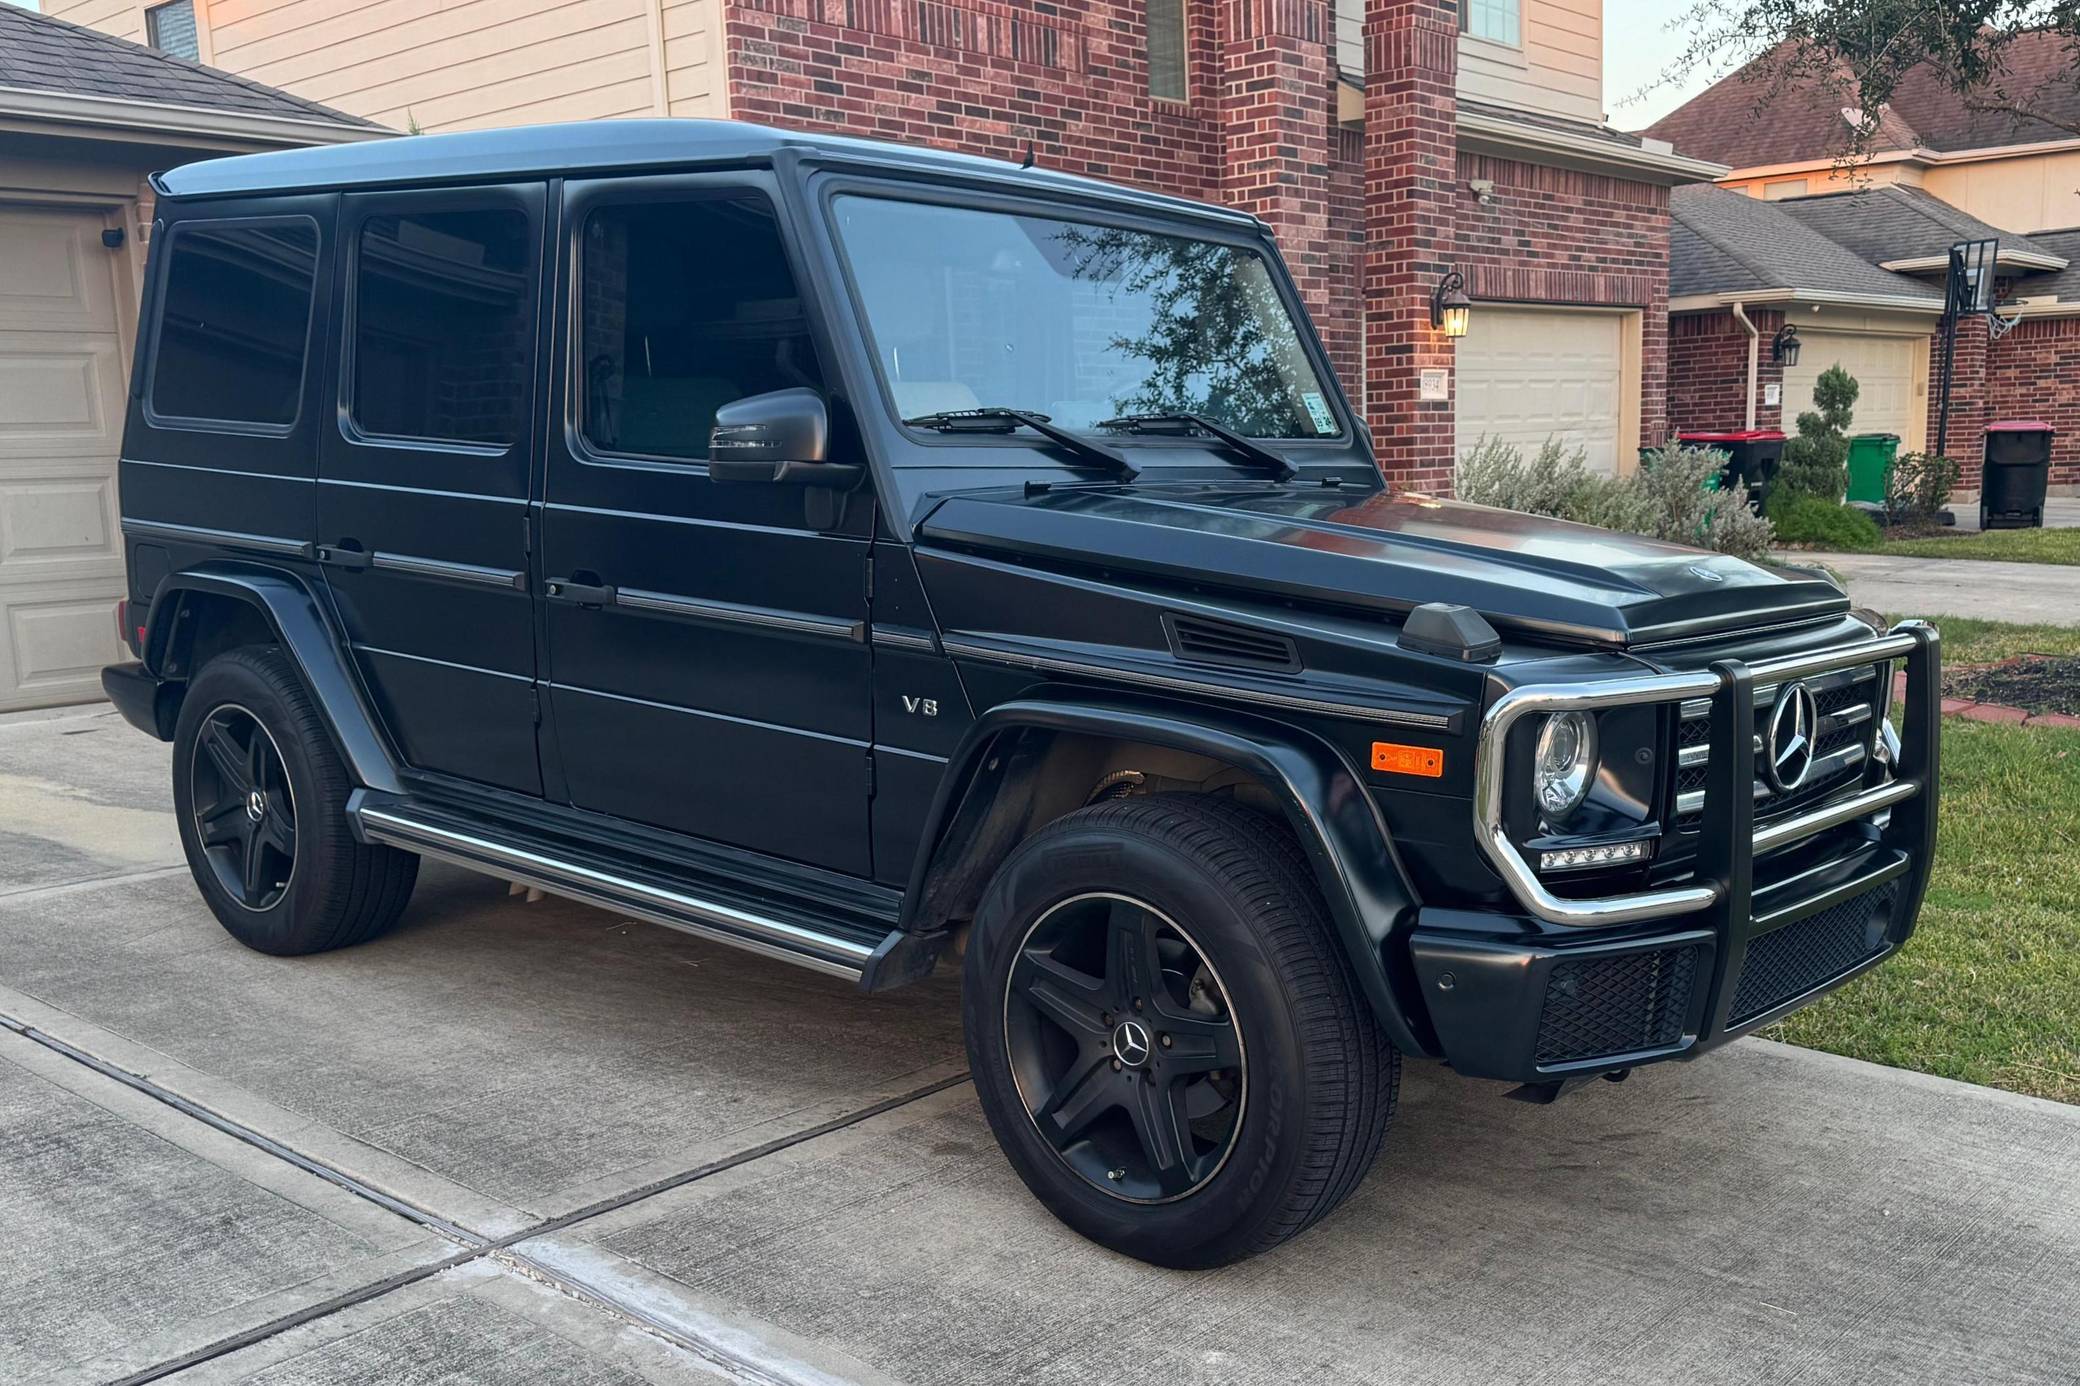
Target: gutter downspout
(1740,315)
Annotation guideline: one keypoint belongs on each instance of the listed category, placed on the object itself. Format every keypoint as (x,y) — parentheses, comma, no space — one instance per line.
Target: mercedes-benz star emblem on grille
(1788,748)
(1130,1043)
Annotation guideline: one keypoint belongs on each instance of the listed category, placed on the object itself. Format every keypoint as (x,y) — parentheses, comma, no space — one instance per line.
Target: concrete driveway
(523,1142)
(2028,593)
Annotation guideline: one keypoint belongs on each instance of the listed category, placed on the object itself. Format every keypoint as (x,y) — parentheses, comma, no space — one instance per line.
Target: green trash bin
(1870,462)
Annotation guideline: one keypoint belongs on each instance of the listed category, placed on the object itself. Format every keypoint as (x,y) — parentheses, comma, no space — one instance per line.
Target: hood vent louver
(1198,640)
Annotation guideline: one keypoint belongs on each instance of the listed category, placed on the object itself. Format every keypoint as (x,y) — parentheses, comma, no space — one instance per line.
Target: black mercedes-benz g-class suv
(864,556)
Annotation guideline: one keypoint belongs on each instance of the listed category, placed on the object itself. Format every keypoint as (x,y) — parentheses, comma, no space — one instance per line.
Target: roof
(617,145)
(1727,243)
(2065,283)
(1577,144)
(42,54)
(1750,119)
(1892,223)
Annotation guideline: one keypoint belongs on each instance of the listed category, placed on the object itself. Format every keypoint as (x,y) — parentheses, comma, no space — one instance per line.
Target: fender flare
(300,624)
(1325,802)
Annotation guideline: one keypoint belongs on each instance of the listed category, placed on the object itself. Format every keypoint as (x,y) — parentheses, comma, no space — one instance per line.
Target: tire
(1255,1159)
(261,798)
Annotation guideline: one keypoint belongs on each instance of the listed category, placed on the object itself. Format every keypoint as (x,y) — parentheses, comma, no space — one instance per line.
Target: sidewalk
(2029,593)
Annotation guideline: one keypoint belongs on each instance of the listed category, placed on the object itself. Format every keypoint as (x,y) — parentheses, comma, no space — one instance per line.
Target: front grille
(1791,961)
(1615,1005)
(1833,694)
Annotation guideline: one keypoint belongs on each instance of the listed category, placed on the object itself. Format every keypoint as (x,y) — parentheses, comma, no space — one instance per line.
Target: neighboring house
(83,120)
(1860,275)
(1387,142)
(2014,172)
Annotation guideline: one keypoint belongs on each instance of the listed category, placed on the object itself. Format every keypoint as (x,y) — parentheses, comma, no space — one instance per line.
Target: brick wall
(1708,372)
(1968,398)
(2034,373)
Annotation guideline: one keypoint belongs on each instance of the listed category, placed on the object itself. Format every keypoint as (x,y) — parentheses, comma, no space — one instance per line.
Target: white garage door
(1886,371)
(1527,376)
(61,422)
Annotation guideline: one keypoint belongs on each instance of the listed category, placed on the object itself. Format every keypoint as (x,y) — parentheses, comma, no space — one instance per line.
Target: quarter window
(1166,58)
(686,306)
(443,325)
(1499,20)
(234,322)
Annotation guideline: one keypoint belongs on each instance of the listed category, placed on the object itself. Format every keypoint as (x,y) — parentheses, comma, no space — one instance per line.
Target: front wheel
(1165,1036)
(261,796)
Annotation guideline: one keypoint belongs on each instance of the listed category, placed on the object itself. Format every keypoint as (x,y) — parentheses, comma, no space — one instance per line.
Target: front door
(708,672)
(423,495)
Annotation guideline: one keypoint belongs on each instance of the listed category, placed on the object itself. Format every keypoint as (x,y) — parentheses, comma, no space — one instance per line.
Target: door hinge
(868,591)
(536,691)
(870,774)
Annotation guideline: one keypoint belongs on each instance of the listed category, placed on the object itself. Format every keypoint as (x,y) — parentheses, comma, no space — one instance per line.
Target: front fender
(301,626)
(1370,898)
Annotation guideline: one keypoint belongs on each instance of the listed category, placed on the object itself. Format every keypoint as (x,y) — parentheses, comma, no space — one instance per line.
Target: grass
(1967,640)
(2001,545)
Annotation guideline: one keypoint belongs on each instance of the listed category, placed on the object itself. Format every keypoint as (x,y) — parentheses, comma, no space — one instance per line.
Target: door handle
(579,593)
(347,553)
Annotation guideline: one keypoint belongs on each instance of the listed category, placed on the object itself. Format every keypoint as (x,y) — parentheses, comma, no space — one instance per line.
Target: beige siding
(461,65)
(2038,192)
(1558,69)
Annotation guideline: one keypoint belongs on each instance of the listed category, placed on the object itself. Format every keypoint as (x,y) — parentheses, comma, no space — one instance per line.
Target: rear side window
(234,322)
(443,324)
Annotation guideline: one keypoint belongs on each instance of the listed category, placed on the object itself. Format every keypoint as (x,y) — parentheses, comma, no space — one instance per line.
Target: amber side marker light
(1393,758)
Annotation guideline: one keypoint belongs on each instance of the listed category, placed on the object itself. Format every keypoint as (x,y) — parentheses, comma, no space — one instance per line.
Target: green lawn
(1970,641)
(2004,545)
(1988,990)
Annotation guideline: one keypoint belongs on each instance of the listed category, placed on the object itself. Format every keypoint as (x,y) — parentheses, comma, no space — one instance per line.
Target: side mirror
(779,437)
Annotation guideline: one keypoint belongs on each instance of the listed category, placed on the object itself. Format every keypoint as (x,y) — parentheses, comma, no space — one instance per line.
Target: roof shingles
(1723,242)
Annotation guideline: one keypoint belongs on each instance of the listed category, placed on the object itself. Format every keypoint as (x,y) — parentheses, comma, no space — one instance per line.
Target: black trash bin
(1752,457)
(2016,474)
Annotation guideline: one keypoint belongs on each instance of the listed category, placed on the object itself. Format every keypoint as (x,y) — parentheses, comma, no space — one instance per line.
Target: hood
(1390,552)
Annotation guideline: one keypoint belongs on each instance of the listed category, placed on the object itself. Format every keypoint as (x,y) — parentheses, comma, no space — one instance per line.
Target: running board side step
(674,908)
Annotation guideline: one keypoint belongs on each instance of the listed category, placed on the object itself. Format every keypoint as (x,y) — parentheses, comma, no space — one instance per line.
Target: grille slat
(1596,1007)
(1790,961)
(1831,694)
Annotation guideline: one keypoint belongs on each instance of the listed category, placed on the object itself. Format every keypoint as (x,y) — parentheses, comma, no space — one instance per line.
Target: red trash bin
(1752,457)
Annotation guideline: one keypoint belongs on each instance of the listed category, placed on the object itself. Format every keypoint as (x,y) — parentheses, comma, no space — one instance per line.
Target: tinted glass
(443,325)
(686,306)
(1166,57)
(234,322)
(1080,322)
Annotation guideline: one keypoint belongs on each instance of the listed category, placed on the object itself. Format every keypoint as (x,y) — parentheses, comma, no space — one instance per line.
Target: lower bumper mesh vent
(1790,961)
(1617,1005)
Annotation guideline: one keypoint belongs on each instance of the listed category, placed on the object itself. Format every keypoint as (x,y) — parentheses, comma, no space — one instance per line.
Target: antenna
(1027,162)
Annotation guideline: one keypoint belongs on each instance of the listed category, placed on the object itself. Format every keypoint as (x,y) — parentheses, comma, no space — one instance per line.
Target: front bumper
(1769,921)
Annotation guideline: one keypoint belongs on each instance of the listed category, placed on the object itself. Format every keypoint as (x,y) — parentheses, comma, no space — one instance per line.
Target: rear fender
(300,626)
(981,812)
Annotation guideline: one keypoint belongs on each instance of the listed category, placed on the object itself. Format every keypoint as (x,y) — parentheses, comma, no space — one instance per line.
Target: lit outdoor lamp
(1450,309)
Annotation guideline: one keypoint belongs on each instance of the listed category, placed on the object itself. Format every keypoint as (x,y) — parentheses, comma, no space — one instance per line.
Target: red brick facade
(1708,373)
(2034,373)
(1369,223)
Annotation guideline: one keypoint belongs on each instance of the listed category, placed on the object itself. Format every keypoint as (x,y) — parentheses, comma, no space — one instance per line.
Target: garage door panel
(1886,369)
(54,275)
(1524,377)
(54,523)
(54,640)
(59,393)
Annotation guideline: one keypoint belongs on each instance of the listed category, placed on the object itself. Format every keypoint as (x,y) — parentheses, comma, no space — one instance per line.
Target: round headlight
(1566,763)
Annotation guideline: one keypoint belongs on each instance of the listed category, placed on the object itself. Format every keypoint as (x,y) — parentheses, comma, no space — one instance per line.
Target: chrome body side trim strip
(708,919)
(736,613)
(1431,721)
(227,538)
(904,640)
(441,570)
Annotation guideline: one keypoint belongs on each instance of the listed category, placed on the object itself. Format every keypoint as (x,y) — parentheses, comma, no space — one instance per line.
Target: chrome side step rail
(709,919)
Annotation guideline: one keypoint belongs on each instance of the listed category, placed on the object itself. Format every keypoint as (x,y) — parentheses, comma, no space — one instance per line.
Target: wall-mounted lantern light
(1783,348)
(1451,310)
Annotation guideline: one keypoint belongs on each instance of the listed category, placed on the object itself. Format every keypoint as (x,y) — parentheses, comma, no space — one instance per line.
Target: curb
(1991,712)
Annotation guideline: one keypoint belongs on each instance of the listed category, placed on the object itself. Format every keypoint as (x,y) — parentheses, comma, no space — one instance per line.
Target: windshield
(973,309)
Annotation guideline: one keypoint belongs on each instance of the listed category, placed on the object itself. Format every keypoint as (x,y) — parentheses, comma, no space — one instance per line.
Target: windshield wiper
(1249,449)
(994,420)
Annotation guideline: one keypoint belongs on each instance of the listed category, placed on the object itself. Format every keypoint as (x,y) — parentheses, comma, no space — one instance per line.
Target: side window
(234,322)
(1166,56)
(685,306)
(443,323)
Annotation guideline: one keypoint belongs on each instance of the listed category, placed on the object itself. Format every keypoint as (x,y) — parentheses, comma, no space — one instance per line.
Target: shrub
(1816,462)
(1801,519)
(1665,499)
(1918,487)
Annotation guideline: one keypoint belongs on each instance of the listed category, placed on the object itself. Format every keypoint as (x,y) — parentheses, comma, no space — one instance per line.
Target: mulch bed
(2037,683)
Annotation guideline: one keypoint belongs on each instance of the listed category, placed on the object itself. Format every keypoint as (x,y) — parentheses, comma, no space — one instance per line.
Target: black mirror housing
(771,437)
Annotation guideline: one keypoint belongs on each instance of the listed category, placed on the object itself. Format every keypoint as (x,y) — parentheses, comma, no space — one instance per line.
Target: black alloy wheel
(244,809)
(1124,1048)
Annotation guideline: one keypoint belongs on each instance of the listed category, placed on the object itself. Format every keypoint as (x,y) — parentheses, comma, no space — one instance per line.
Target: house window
(1790,187)
(1495,20)
(1166,50)
(170,28)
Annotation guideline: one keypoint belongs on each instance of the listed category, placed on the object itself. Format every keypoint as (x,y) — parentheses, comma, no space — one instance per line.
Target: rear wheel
(1165,1036)
(261,797)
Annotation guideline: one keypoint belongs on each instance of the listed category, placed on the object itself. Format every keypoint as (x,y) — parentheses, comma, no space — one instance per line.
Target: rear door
(708,670)
(423,522)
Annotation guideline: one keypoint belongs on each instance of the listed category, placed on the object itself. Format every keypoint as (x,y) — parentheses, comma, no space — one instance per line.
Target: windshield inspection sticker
(1318,410)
